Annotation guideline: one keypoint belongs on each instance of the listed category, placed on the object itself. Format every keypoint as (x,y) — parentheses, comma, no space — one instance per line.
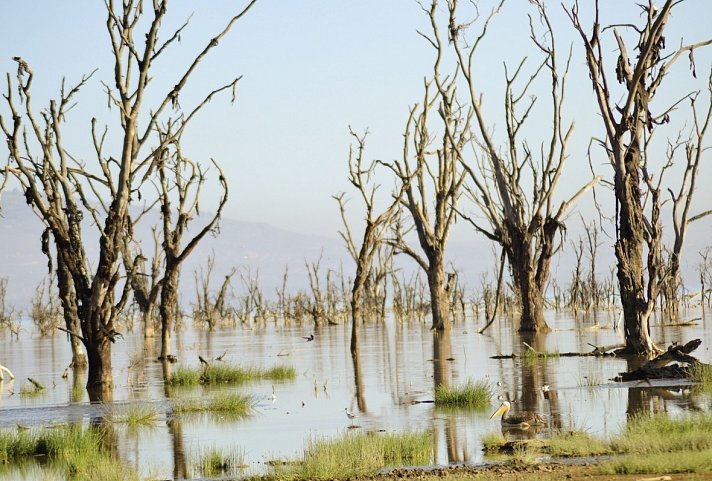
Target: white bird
(350,415)
(274,396)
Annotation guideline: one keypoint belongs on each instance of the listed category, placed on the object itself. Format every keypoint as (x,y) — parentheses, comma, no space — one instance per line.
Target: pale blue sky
(311,68)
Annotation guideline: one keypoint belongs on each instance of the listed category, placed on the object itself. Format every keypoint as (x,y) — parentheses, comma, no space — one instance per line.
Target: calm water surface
(400,366)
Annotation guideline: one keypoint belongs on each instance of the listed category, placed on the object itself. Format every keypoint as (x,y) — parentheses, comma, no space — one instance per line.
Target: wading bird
(523,419)
(350,415)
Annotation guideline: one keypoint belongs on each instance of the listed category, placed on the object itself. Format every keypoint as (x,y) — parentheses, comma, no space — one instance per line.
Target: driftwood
(9,373)
(598,351)
(660,367)
(38,386)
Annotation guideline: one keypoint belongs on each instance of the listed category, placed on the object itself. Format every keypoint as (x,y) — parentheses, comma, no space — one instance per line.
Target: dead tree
(629,123)
(61,189)
(180,183)
(430,178)
(372,237)
(145,285)
(682,201)
(526,225)
(208,308)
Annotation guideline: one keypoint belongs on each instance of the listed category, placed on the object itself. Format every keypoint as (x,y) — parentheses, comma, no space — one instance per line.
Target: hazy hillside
(251,247)
(260,248)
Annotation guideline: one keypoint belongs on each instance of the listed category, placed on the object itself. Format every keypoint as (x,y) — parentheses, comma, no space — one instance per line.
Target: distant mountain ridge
(255,248)
(264,250)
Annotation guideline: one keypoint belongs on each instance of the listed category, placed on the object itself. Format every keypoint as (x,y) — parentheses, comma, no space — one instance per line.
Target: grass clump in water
(184,376)
(73,450)
(235,404)
(356,455)
(135,415)
(702,373)
(472,394)
(226,374)
(213,462)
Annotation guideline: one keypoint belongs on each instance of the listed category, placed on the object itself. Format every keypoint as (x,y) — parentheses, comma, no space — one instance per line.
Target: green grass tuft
(675,462)
(656,434)
(135,415)
(75,451)
(234,404)
(225,374)
(492,442)
(702,373)
(213,462)
(184,376)
(356,455)
(472,394)
(576,444)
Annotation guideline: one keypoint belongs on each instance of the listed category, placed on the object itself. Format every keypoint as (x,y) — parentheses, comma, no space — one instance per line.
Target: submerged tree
(372,239)
(629,124)
(682,217)
(429,187)
(62,189)
(513,188)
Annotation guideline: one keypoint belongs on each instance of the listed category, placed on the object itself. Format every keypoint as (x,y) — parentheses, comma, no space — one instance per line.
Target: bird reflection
(517,433)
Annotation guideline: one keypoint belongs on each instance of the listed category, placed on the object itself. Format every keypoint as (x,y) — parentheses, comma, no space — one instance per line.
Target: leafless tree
(209,308)
(430,178)
(181,180)
(629,123)
(525,225)
(8,315)
(45,310)
(61,189)
(363,253)
(694,146)
(145,284)
(704,269)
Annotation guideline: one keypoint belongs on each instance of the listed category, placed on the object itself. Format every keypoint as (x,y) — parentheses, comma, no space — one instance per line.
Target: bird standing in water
(350,415)
(523,419)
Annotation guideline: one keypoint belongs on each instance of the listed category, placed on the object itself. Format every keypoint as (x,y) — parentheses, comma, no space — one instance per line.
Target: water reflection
(358,378)
(175,430)
(396,367)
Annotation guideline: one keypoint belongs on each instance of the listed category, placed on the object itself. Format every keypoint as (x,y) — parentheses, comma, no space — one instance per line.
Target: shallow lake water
(399,368)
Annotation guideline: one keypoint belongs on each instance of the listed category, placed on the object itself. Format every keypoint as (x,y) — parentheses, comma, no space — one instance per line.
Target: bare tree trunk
(629,251)
(71,316)
(167,307)
(629,124)
(439,298)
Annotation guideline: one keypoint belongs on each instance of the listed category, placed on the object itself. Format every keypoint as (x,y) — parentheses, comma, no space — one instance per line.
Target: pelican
(523,419)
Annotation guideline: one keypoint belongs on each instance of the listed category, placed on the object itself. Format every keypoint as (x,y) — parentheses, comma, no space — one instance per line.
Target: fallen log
(598,351)
(661,368)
